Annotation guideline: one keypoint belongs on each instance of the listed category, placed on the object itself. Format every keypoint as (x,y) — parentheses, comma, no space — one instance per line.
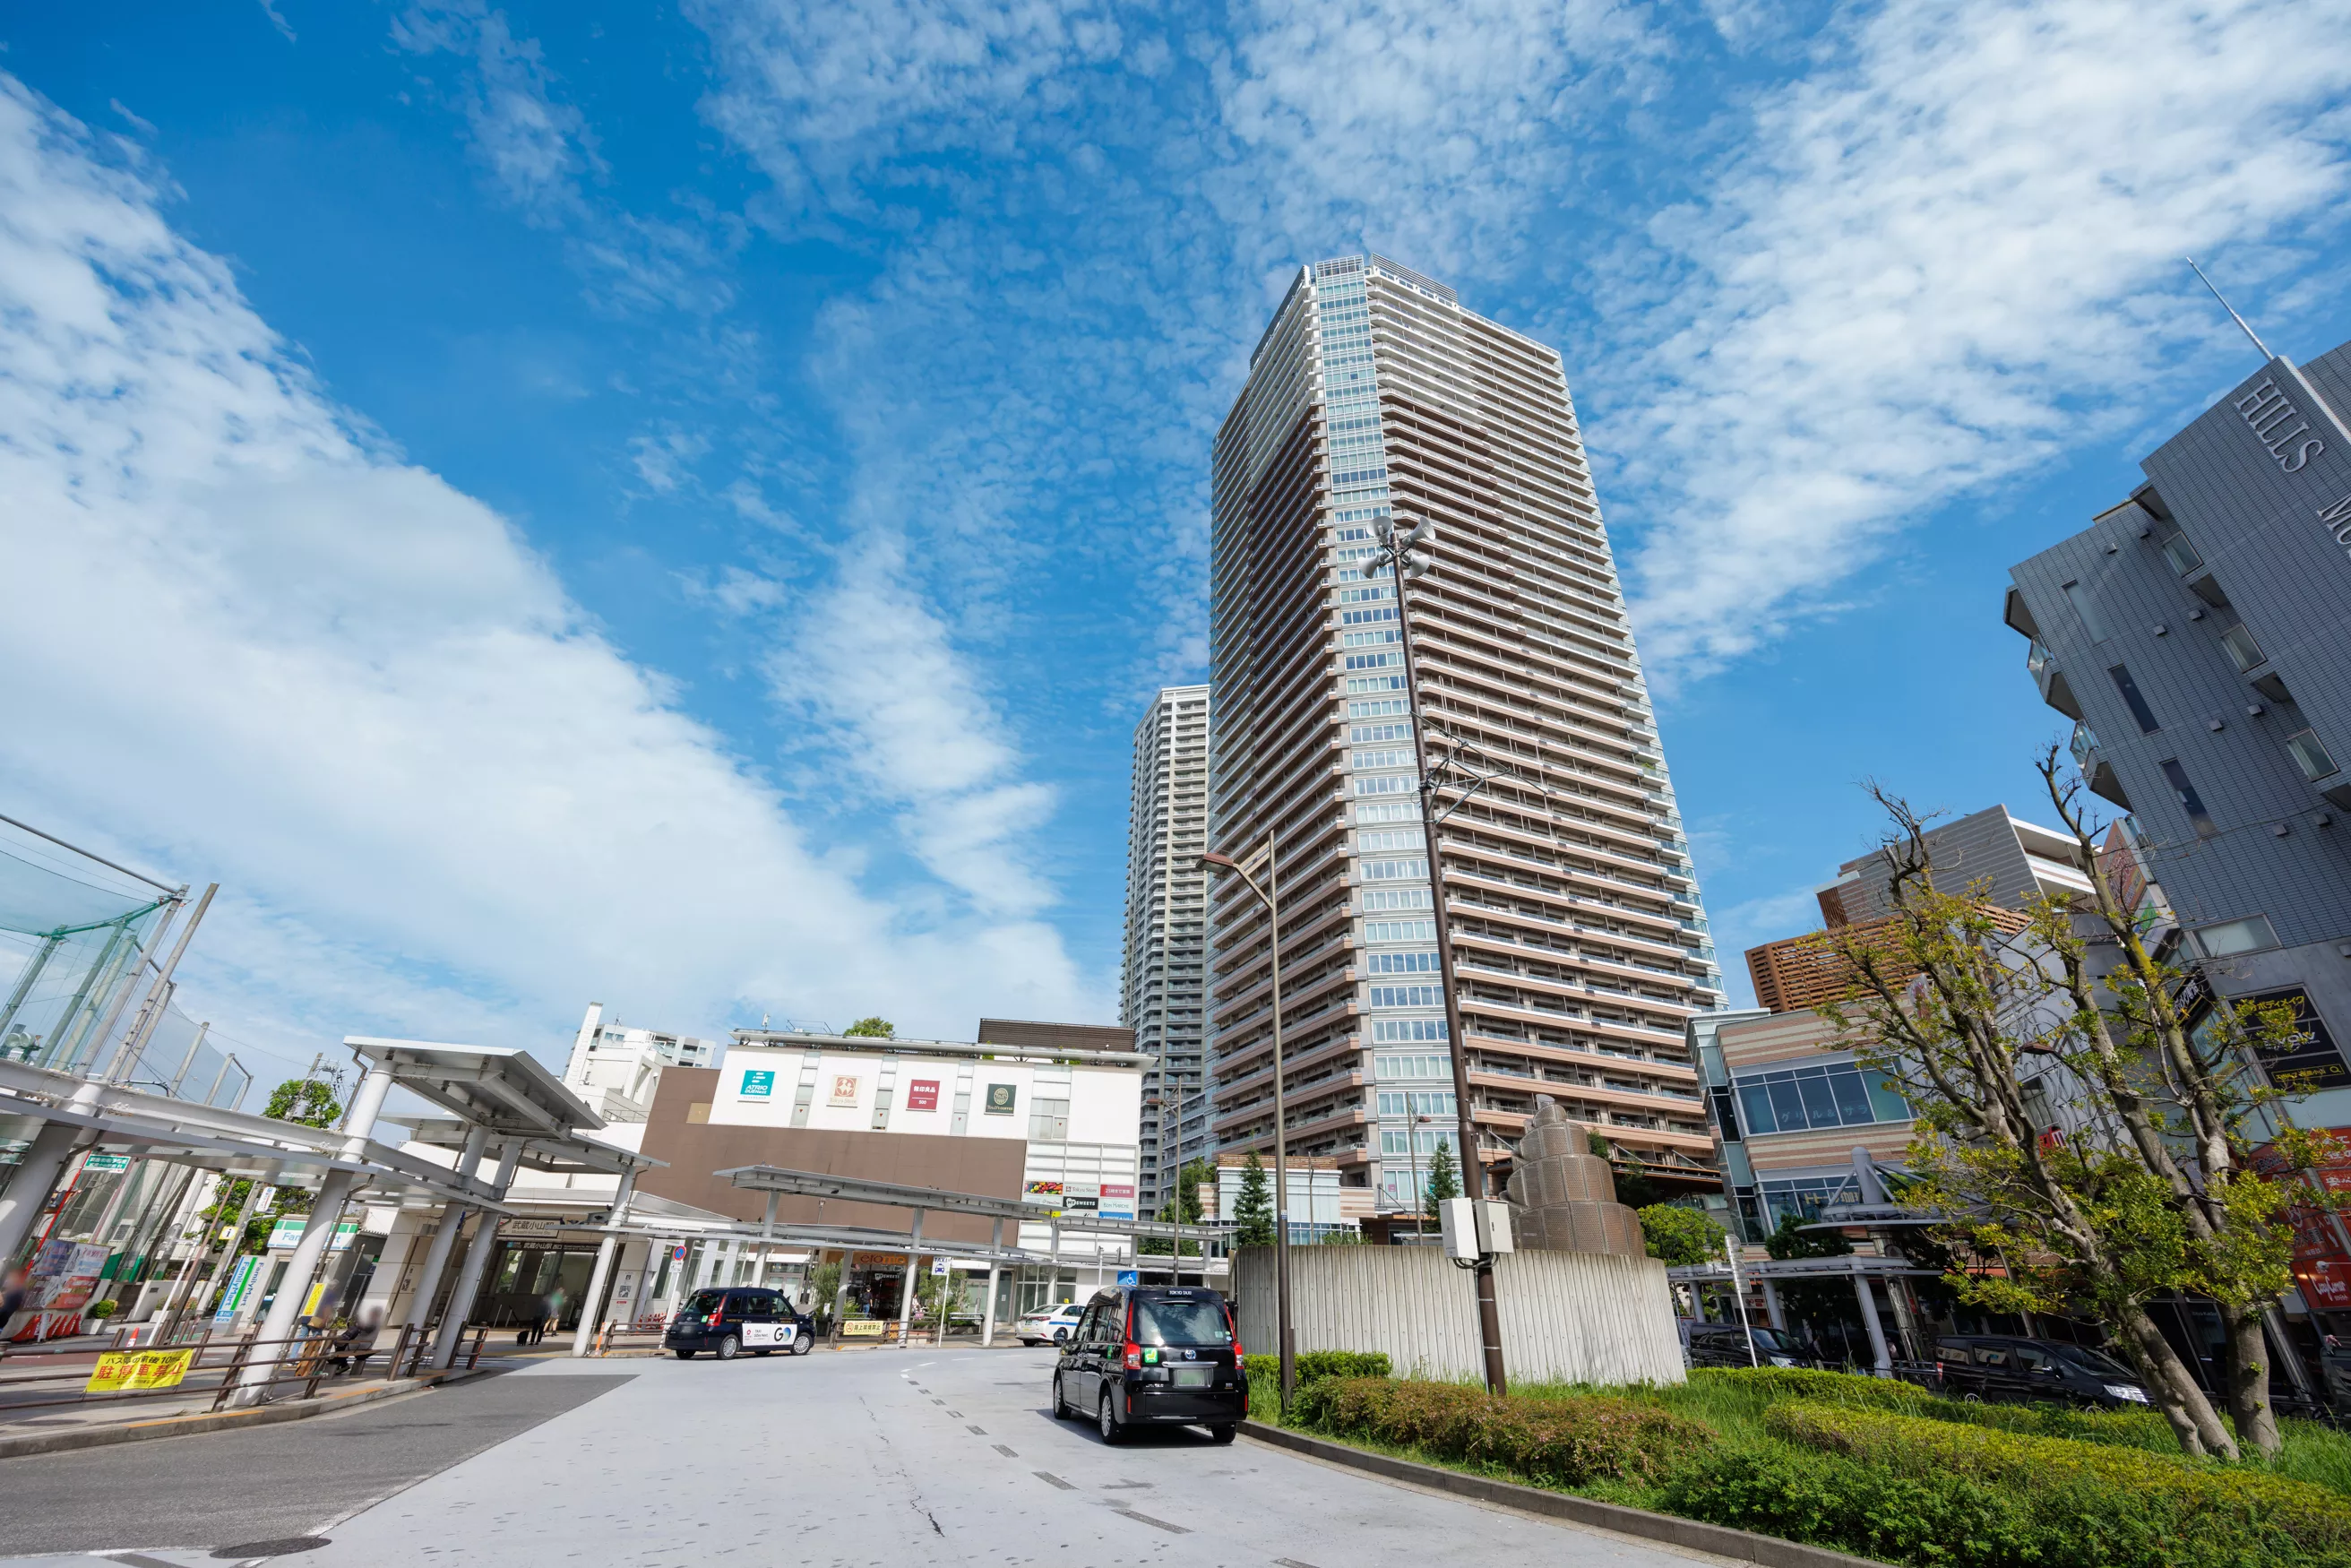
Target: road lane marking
(974,1431)
(1051,1478)
(1156,1523)
(1005,1451)
(1290,1562)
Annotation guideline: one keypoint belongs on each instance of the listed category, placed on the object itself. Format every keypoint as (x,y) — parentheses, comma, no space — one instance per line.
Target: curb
(225,1420)
(1740,1545)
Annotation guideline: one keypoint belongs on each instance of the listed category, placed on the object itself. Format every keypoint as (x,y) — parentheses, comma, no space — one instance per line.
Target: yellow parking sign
(120,1370)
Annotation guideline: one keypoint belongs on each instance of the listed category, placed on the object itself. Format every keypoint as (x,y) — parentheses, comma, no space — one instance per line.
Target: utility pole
(1396,555)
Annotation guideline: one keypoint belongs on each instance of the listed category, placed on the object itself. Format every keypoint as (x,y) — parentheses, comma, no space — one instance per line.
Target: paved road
(882,1458)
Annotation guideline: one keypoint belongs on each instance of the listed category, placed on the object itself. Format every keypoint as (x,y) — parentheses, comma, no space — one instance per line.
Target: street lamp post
(1396,554)
(1270,896)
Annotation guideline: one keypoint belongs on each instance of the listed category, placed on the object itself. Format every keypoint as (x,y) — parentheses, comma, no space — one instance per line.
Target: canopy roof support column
(602,1274)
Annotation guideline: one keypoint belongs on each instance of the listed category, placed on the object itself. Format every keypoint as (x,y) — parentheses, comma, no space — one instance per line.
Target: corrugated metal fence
(1567,1317)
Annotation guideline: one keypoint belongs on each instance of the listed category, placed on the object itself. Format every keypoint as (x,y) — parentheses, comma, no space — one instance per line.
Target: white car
(1051,1325)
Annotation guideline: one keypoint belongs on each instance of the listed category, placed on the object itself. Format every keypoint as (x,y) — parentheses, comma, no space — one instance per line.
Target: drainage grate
(284,1546)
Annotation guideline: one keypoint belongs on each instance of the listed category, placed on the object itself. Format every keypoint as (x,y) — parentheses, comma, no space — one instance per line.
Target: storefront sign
(759,1082)
(864,1328)
(1117,1201)
(119,1370)
(923,1094)
(240,1287)
(1001,1098)
(2308,1058)
(1047,1193)
(99,1164)
(2280,426)
(65,1275)
(844,1089)
(286,1232)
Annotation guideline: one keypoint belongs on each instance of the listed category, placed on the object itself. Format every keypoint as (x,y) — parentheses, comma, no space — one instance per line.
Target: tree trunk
(2248,1380)
(2193,1420)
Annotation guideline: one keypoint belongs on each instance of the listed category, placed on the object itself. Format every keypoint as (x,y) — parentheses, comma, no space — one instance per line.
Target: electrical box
(1457,1217)
(1474,1226)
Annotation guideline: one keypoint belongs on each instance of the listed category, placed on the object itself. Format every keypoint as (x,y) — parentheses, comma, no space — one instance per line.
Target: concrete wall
(1567,1317)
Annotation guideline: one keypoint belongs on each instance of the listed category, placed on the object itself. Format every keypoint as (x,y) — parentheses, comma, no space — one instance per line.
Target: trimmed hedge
(1313,1365)
(1765,1388)
(1771,1385)
(2091,1503)
(1565,1441)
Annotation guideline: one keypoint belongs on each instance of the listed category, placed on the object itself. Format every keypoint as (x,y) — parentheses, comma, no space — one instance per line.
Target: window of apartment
(1382,759)
(1400,963)
(2238,642)
(1407,997)
(1413,870)
(2092,623)
(1424,1064)
(2189,801)
(1399,898)
(1365,734)
(1390,811)
(1380,709)
(1411,1105)
(1401,1031)
(2145,714)
(1396,839)
(1393,1141)
(2181,554)
(2310,754)
(1400,931)
(1799,1099)
(2231,937)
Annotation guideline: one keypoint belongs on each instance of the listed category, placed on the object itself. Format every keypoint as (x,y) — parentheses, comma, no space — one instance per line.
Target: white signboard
(765,1335)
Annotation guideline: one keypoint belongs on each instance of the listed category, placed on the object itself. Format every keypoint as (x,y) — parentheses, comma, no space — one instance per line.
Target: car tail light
(1133,1355)
(715,1318)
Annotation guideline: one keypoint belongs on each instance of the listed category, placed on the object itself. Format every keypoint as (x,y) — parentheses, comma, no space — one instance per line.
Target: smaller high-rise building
(2196,635)
(615,1069)
(1165,981)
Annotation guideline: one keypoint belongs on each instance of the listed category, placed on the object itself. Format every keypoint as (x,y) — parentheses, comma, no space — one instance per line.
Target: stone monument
(1563,1197)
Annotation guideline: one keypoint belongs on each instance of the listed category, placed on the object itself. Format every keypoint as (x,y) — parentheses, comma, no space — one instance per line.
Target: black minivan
(725,1322)
(1154,1355)
(2001,1366)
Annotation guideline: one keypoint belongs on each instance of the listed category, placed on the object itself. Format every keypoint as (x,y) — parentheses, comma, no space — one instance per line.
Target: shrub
(2107,1504)
(1830,1501)
(103,1309)
(1766,1385)
(1313,1365)
(1565,1441)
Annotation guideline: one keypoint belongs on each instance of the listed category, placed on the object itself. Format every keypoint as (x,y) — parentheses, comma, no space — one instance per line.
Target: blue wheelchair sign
(1128,1277)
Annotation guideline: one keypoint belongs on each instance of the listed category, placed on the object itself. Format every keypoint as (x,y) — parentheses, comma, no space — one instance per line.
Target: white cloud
(875,668)
(246,638)
(1946,259)
(535,148)
(666,460)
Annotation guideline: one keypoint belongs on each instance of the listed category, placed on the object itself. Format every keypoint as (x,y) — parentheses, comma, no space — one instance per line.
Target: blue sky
(682,506)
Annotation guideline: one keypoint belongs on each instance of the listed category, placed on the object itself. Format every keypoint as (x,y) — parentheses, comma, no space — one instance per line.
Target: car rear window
(1197,1320)
(1952,1353)
(704,1302)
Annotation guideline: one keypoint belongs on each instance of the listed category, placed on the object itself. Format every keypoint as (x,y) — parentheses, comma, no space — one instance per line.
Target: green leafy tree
(1182,1208)
(1999,1036)
(1678,1236)
(1253,1211)
(873,1028)
(1444,1176)
(308,1101)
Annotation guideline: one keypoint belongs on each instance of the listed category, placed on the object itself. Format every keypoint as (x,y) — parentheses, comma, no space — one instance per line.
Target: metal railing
(218,1365)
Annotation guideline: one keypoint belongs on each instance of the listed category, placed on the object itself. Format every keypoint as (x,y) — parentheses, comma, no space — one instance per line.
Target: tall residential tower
(1580,946)
(1165,972)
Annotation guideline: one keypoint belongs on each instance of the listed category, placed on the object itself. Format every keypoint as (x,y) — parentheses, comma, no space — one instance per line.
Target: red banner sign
(923,1094)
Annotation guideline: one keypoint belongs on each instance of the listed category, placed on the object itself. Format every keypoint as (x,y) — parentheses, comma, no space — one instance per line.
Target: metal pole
(66,1029)
(605,1249)
(1475,1178)
(1412,1151)
(1738,1300)
(189,1061)
(995,1272)
(1286,1341)
(150,1012)
(229,1247)
(477,1260)
(1869,1320)
(293,1291)
(906,1296)
(49,945)
(445,1235)
(143,955)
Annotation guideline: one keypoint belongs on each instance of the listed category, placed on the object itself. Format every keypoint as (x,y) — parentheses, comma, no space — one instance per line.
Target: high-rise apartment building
(1164,995)
(2196,633)
(1581,945)
(615,1068)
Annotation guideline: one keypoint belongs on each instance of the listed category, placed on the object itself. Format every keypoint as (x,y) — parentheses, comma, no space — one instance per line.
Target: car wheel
(1222,1432)
(682,1354)
(1107,1423)
(802,1343)
(727,1347)
(1061,1336)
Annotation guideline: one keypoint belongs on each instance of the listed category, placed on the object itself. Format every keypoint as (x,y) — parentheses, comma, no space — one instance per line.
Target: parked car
(1049,1326)
(1726,1345)
(1154,1355)
(727,1322)
(2005,1367)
